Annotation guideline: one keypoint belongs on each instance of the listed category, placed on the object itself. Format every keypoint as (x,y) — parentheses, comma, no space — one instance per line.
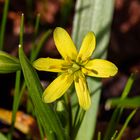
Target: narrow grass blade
(18,76)
(66,9)
(125,125)
(112,124)
(118,111)
(2,137)
(16,101)
(21,30)
(3,24)
(8,63)
(49,120)
(37,48)
(36,28)
(17,95)
(96,16)
(29,10)
(99,136)
(36,25)
(114,135)
(123,101)
(128,86)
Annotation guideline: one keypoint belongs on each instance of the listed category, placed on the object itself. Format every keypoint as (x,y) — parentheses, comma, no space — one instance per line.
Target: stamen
(82,61)
(63,68)
(70,71)
(78,60)
(53,67)
(90,70)
(76,66)
(94,71)
(68,59)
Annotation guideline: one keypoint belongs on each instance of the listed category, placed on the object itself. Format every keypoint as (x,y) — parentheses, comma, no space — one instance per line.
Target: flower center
(75,67)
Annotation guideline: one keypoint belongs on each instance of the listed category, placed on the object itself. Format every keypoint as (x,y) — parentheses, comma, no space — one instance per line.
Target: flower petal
(87,48)
(57,88)
(64,44)
(49,64)
(82,90)
(100,68)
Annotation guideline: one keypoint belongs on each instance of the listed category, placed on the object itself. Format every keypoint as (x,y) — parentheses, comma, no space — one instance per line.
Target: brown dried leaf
(24,122)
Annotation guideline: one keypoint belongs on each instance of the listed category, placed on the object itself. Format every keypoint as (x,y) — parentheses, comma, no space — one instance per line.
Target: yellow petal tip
(114,70)
(46,98)
(64,43)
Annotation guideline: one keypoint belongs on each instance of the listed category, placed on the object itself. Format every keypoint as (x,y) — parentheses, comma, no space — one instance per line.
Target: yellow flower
(73,67)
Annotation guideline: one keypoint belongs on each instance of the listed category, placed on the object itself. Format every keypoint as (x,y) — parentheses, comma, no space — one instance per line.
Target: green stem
(77,122)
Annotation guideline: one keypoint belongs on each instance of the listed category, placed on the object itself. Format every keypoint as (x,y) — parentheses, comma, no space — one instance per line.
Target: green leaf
(8,63)
(96,16)
(49,120)
(128,86)
(133,102)
(2,137)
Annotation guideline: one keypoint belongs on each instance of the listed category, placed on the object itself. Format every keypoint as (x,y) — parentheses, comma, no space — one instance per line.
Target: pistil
(75,67)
